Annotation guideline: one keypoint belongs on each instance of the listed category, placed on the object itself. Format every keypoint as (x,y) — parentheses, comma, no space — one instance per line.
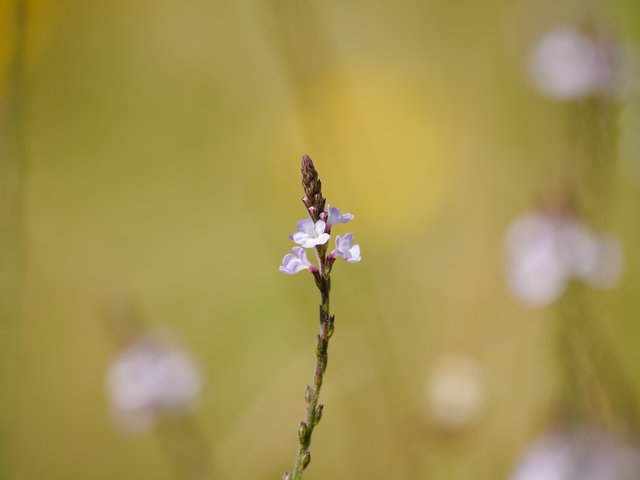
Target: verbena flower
(346,249)
(315,233)
(336,217)
(310,234)
(294,263)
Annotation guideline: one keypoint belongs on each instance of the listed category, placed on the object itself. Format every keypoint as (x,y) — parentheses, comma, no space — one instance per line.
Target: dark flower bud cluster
(312,186)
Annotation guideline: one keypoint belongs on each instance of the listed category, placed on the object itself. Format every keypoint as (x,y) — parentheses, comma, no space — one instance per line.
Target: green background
(161,165)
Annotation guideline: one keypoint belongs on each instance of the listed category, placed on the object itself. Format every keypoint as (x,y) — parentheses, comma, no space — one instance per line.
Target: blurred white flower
(583,454)
(148,378)
(565,64)
(455,392)
(545,252)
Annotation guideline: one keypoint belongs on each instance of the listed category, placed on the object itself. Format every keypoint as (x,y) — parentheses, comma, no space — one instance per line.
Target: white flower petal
(322,239)
(309,228)
(354,254)
(320,227)
(299,237)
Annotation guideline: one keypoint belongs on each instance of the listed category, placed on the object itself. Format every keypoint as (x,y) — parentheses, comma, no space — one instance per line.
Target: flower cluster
(315,232)
(312,235)
(151,377)
(547,251)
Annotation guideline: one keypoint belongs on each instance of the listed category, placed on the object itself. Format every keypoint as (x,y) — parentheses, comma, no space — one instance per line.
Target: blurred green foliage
(162,164)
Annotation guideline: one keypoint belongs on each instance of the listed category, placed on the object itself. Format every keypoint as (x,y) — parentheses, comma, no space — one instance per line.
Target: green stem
(312,393)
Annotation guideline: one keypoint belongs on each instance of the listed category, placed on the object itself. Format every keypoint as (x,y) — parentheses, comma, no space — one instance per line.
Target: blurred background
(150,175)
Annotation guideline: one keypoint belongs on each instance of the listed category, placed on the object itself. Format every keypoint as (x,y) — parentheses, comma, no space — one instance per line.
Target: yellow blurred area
(377,116)
(157,156)
(43,15)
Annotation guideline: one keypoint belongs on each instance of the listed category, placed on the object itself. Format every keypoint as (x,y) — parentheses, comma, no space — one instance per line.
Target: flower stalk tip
(314,233)
(312,186)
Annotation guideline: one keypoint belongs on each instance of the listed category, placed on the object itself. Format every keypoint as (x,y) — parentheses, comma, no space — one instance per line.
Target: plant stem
(312,393)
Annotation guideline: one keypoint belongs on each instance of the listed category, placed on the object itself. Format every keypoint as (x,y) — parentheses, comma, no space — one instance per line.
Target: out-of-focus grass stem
(306,55)
(13,173)
(594,386)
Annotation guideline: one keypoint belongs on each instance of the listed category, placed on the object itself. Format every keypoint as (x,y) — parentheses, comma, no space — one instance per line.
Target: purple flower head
(293,263)
(335,217)
(346,249)
(310,234)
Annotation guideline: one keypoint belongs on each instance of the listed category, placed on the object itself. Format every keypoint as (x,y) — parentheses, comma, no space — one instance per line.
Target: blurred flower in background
(566,64)
(455,392)
(546,251)
(578,454)
(151,377)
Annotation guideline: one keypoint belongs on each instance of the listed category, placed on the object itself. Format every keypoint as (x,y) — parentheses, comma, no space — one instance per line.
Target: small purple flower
(335,217)
(309,234)
(346,249)
(293,263)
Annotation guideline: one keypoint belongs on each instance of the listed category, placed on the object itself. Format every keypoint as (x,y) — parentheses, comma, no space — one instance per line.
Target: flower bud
(318,414)
(306,458)
(287,476)
(308,392)
(302,432)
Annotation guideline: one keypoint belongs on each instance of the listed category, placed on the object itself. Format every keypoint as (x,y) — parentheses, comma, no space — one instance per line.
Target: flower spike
(312,186)
(315,232)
